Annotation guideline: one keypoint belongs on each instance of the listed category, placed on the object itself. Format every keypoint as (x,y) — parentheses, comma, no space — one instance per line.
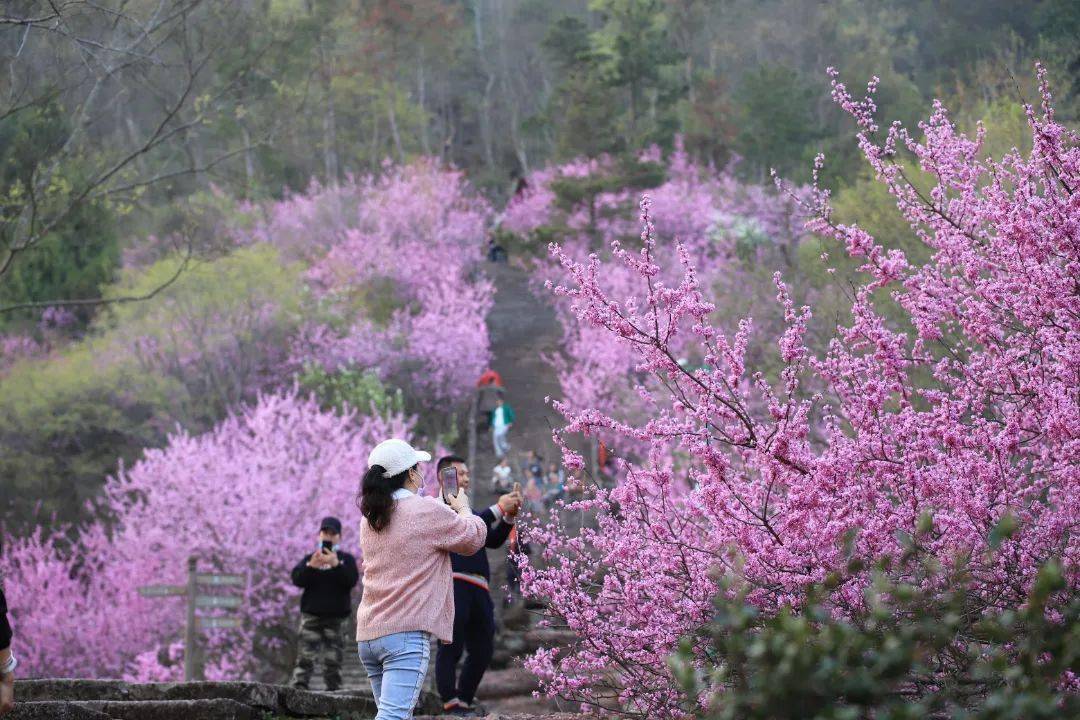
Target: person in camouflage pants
(319,635)
(327,577)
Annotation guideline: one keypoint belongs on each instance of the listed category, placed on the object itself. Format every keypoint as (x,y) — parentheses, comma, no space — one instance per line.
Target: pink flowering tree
(730,229)
(964,410)
(393,270)
(244,498)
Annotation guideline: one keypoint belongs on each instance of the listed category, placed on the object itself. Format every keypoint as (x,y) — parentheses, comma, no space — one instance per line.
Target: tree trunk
(391,115)
(421,88)
(330,154)
(249,158)
(485,114)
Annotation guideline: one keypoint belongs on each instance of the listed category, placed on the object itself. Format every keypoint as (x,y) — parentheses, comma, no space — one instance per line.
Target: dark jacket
(327,593)
(477,563)
(5,629)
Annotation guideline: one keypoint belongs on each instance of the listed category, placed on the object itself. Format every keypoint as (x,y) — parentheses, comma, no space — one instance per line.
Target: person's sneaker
(459,708)
(454,707)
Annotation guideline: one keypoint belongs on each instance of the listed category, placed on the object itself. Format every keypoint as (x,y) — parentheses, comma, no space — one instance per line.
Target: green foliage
(909,653)
(81,253)
(64,424)
(634,52)
(628,173)
(775,125)
(209,340)
(351,387)
(584,108)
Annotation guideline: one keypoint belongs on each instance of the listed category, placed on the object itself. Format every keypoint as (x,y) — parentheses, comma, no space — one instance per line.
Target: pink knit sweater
(407,576)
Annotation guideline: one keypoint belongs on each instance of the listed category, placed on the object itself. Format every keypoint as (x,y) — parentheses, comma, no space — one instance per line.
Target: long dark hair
(376,495)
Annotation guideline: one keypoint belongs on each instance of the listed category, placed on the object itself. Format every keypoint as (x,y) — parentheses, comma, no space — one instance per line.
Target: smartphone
(449,481)
(327,545)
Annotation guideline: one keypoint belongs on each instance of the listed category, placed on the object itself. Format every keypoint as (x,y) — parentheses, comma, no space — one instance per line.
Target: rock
(312,704)
(508,683)
(175,710)
(515,716)
(226,698)
(53,710)
(62,689)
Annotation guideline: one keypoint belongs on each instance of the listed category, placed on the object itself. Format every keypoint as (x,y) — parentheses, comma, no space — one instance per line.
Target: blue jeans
(396,665)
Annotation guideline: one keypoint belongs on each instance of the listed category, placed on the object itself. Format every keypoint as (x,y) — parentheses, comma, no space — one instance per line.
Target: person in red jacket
(490,377)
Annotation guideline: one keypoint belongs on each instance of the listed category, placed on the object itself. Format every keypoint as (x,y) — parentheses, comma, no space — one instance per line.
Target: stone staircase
(522,330)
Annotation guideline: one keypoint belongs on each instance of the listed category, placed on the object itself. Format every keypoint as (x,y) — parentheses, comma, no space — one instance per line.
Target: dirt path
(523,329)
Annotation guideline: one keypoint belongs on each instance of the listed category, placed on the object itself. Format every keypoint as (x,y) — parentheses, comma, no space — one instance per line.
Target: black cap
(331,523)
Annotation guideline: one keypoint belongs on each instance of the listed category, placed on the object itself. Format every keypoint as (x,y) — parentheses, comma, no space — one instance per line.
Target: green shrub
(64,424)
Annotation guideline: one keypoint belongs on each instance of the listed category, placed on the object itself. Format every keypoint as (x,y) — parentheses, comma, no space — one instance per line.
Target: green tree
(776,128)
(584,107)
(636,53)
(79,255)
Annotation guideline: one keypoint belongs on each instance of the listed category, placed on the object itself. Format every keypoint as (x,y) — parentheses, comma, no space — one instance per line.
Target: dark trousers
(319,636)
(474,634)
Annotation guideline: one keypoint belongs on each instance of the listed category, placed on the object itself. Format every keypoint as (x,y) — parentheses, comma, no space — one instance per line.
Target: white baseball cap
(396,456)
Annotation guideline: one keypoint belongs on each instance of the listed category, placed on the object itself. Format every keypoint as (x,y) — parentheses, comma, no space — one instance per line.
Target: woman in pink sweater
(406,541)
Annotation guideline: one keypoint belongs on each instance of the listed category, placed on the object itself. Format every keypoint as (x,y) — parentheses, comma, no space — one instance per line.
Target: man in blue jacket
(328,576)
(474,612)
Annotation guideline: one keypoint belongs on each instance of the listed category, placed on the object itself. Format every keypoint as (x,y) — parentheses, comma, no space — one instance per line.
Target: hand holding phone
(448,481)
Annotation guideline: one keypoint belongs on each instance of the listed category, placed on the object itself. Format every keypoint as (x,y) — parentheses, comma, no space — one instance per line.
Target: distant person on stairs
(7,661)
(328,577)
(490,377)
(502,419)
(405,543)
(502,476)
(474,612)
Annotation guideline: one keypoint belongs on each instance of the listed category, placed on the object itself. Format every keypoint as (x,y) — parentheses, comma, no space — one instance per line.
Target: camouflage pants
(319,636)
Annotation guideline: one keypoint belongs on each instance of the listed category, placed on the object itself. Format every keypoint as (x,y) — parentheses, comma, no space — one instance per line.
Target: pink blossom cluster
(394,272)
(16,347)
(245,498)
(965,410)
(708,213)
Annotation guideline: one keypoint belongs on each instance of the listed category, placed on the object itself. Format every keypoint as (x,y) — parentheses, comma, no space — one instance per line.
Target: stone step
(175,710)
(516,716)
(53,710)
(109,695)
(509,682)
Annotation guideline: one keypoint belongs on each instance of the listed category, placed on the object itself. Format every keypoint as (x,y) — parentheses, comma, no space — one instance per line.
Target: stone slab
(58,710)
(175,710)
